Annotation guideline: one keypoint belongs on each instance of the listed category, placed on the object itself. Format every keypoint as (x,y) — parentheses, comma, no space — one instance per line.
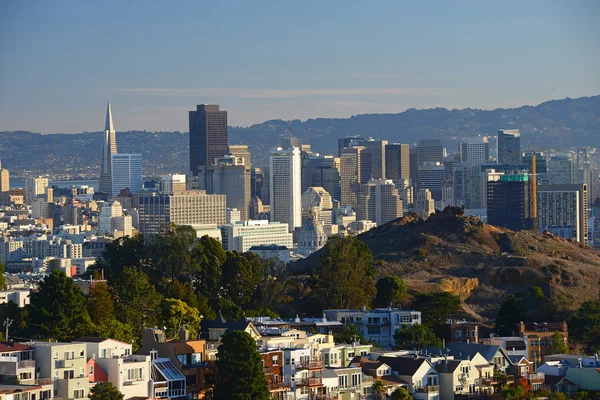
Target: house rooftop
(7,347)
(403,365)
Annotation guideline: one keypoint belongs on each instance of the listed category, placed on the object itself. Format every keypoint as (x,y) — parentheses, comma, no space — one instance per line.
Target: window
(82,354)
(343,381)
(458,334)
(82,372)
(275,360)
(355,379)
(351,354)
(91,371)
(79,393)
(373,330)
(287,361)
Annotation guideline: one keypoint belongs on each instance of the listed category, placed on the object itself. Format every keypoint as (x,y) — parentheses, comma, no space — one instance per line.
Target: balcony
(43,381)
(276,386)
(268,370)
(309,365)
(429,389)
(310,382)
(26,364)
(498,380)
(536,378)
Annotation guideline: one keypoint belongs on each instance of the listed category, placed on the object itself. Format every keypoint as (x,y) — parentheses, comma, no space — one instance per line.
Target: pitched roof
(447,366)
(7,347)
(551,380)
(403,365)
(465,350)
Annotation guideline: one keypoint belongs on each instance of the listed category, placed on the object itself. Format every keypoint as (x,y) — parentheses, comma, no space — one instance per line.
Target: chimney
(184,334)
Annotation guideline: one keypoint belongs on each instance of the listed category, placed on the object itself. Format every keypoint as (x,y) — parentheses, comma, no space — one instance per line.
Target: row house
(539,336)
(303,375)
(378,370)
(342,354)
(16,363)
(421,377)
(457,378)
(273,368)
(39,391)
(461,331)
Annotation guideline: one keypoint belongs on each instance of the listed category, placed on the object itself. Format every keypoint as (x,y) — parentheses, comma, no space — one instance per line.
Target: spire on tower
(109,122)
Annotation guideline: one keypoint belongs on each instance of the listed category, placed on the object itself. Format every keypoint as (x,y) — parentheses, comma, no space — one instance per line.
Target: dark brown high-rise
(208,135)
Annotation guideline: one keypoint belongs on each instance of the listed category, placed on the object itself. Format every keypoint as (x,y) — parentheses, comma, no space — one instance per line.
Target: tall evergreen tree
(240,374)
(344,277)
(2,279)
(436,307)
(100,304)
(58,310)
(390,289)
(511,312)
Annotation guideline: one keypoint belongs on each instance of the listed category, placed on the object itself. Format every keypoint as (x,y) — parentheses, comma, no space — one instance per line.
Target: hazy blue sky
(60,61)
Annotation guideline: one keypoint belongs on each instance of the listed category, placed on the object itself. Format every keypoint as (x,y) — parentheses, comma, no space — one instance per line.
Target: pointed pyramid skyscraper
(109,147)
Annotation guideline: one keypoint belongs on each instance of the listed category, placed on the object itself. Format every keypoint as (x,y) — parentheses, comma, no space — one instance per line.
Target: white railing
(9,358)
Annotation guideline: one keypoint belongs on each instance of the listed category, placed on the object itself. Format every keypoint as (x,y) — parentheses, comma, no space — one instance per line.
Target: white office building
(126,173)
(35,187)
(242,235)
(286,187)
(475,150)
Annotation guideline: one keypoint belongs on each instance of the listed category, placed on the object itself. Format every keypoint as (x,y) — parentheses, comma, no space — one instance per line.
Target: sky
(61,61)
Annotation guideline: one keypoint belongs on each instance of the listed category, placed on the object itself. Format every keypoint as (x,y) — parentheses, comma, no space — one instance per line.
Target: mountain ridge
(554,123)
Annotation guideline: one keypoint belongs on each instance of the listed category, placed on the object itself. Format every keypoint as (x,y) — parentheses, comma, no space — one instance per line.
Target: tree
(400,394)
(349,334)
(344,277)
(241,275)
(2,279)
(99,304)
(171,254)
(105,391)
(121,253)
(176,315)
(58,310)
(584,326)
(416,336)
(117,330)
(558,345)
(209,256)
(436,307)
(511,312)
(230,311)
(136,300)
(379,390)
(390,289)
(240,372)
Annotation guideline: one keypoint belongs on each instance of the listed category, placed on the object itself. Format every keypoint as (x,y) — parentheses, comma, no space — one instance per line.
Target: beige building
(241,153)
(65,363)
(562,209)
(194,207)
(172,183)
(379,201)
(35,187)
(424,204)
(285,186)
(4,179)
(229,177)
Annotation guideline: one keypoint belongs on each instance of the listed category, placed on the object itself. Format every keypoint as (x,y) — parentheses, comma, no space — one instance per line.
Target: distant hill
(480,263)
(553,124)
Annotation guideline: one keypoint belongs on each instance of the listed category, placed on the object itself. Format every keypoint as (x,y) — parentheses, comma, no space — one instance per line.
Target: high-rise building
(509,146)
(126,173)
(424,203)
(509,203)
(397,161)
(285,194)
(241,152)
(35,187)
(475,150)
(562,170)
(355,167)
(232,215)
(229,177)
(589,176)
(322,171)
(349,142)
(430,151)
(109,147)
(194,207)
(432,176)
(40,208)
(376,149)
(562,210)
(317,200)
(109,211)
(379,201)
(208,135)
(172,183)
(4,179)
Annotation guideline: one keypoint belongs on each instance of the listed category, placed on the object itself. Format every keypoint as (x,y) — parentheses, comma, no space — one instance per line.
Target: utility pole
(7,322)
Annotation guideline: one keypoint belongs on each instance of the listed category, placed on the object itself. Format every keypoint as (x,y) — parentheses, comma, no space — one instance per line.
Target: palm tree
(379,390)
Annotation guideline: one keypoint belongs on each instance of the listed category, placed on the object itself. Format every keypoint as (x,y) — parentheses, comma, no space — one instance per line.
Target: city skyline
(298,63)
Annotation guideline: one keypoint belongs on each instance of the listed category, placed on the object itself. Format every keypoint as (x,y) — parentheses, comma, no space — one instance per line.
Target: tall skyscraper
(397,161)
(322,171)
(208,135)
(376,149)
(562,170)
(35,187)
(432,176)
(475,150)
(355,166)
(589,176)
(109,147)
(349,142)
(424,204)
(4,179)
(509,203)
(509,146)
(562,209)
(126,173)
(429,150)
(379,201)
(231,178)
(285,194)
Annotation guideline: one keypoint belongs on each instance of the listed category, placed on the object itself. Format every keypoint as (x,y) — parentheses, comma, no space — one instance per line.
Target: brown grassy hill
(481,263)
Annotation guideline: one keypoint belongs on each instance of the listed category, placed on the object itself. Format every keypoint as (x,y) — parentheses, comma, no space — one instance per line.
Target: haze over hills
(552,124)
(480,263)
